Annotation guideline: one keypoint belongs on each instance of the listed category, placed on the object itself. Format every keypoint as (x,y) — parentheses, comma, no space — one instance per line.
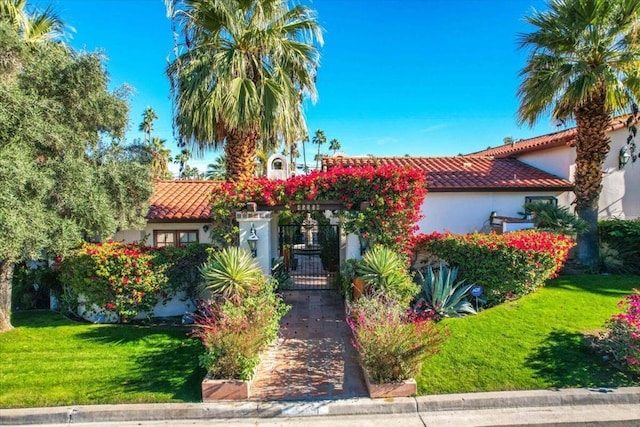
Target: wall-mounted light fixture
(364,244)
(252,241)
(624,157)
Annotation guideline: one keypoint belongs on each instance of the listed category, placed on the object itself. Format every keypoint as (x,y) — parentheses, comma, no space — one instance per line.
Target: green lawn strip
(50,361)
(534,343)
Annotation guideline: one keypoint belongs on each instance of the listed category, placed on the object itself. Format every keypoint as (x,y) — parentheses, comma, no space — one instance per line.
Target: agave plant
(386,272)
(231,273)
(442,294)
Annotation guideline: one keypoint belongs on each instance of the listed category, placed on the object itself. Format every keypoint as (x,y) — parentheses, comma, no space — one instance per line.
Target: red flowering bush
(507,265)
(394,197)
(391,345)
(115,277)
(622,336)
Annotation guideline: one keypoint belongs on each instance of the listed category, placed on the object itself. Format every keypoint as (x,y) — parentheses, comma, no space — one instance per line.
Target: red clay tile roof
(180,201)
(543,142)
(464,173)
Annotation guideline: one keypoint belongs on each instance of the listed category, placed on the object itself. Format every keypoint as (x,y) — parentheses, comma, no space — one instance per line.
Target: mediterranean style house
(474,192)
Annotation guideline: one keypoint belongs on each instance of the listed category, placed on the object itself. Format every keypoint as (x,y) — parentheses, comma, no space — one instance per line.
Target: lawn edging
(356,406)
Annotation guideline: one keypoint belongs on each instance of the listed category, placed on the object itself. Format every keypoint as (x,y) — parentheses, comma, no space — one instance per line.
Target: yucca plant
(231,274)
(442,294)
(385,272)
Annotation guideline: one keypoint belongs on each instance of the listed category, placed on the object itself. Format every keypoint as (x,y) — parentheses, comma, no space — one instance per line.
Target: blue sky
(418,77)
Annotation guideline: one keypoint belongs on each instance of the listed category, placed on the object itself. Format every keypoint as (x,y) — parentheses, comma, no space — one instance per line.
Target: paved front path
(314,358)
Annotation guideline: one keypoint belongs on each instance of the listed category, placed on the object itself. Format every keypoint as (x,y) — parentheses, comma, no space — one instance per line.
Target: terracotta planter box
(401,389)
(213,390)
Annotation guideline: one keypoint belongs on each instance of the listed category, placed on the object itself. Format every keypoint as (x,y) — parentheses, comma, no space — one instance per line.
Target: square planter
(213,390)
(400,389)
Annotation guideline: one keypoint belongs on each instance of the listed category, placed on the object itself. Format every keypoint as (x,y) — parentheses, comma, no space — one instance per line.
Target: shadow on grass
(166,359)
(615,285)
(566,359)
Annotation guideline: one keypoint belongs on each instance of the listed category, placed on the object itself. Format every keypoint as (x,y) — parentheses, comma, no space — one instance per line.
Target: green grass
(48,360)
(538,342)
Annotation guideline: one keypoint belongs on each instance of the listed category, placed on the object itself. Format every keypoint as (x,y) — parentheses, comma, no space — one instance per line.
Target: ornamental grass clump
(234,333)
(622,336)
(392,347)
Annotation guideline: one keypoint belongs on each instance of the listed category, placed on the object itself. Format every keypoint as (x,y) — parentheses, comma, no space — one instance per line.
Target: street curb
(355,406)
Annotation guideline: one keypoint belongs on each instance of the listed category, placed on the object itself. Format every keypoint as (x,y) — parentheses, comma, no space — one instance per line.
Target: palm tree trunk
(6,274)
(592,146)
(240,149)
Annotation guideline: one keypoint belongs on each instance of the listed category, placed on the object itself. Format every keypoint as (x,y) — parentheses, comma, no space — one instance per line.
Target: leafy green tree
(584,65)
(305,168)
(334,145)
(319,138)
(247,65)
(181,160)
(61,182)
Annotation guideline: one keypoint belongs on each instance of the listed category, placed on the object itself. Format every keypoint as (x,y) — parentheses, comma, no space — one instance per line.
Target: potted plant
(391,346)
(239,321)
(329,248)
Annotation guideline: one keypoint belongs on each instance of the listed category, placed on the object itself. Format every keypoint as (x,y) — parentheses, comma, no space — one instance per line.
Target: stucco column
(352,250)
(261,221)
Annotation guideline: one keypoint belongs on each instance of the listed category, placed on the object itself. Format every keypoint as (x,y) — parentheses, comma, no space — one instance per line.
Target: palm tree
(182,159)
(245,69)
(334,145)
(217,170)
(319,138)
(36,27)
(160,158)
(584,66)
(146,126)
(304,139)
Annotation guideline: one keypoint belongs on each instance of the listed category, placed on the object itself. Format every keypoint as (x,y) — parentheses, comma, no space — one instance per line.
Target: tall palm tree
(217,170)
(239,79)
(35,27)
(319,138)
(182,159)
(146,126)
(584,65)
(334,145)
(305,138)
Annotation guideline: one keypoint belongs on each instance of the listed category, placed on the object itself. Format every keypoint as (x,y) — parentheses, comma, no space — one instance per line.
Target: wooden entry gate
(311,254)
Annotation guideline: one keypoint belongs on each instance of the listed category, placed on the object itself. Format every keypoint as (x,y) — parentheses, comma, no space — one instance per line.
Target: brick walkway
(314,358)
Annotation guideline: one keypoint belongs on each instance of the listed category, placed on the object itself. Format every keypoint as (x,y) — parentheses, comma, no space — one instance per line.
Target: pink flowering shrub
(508,265)
(115,277)
(622,336)
(391,345)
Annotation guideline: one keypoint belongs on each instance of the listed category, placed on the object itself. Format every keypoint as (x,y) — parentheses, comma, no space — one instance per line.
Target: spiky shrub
(385,272)
(391,347)
(620,245)
(234,334)
(442,294)
(558,219)
(231,274)
(621,338)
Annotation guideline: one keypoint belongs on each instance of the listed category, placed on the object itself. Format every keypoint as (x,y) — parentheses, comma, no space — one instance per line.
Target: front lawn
(50,361)
(536,342)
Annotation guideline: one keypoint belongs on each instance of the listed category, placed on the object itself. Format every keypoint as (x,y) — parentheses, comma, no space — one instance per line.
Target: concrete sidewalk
(628,397)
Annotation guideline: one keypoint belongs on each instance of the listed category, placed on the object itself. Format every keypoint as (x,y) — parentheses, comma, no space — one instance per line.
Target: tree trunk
(592,146)
(6,274)
(240,149)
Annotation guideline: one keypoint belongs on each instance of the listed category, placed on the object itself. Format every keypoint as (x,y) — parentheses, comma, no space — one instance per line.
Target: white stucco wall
(130,236)
(620,196)
(465,212)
